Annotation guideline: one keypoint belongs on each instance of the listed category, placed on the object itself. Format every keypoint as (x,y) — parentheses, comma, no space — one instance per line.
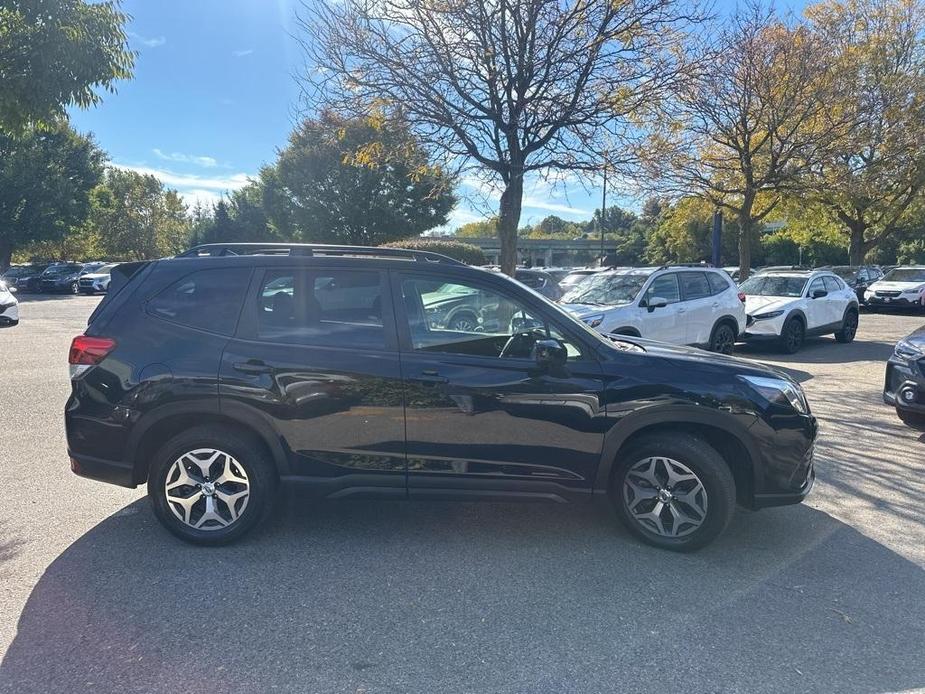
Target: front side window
(208,300)
(694,285)
(334,308)
(459,318)
(817,285)
(664,287)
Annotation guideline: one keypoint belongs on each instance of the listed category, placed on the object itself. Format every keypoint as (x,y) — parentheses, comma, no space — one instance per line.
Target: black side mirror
(819,293)
(549,353)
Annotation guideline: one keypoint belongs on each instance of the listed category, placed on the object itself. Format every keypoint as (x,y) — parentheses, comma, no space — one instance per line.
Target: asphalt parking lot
(459,597)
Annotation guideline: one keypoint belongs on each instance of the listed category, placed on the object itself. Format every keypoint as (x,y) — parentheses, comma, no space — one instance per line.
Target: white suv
(788,305)
(682,305)
(901,287)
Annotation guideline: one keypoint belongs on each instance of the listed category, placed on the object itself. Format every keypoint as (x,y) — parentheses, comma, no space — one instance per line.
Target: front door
(665,323)
(316,359)
(482,418)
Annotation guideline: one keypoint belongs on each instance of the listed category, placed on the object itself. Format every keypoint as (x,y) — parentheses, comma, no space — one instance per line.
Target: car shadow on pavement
(393,596)
(821,350)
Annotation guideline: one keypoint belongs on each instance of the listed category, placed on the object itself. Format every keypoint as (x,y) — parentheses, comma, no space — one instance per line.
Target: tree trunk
(745,245)
(509,220)
(6,254)
(857,249)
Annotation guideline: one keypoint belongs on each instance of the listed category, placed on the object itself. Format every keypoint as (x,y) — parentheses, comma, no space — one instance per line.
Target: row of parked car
(60,278)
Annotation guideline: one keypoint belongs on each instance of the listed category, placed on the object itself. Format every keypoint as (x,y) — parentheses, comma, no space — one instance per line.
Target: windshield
(764,285)
(62,270)
(574,278)
(606,289)
(905,274)
(105,269)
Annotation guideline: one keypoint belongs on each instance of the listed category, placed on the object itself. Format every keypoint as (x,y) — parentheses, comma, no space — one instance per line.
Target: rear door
(316,358)
(701,308)
(839,296)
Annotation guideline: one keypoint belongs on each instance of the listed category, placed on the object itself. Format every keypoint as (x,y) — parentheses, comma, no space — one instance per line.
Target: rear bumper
(111,471)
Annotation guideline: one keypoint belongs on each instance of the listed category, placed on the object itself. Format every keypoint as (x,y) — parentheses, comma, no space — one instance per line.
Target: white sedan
(9,307)
(788,305)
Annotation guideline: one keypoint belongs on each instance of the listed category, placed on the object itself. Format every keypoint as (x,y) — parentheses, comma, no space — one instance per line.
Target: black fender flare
(209,409)
(676,414)
(798,313)
(728,318)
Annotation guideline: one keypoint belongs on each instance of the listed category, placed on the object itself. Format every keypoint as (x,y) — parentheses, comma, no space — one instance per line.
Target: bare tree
(871,178)
(515,87)
(753,125)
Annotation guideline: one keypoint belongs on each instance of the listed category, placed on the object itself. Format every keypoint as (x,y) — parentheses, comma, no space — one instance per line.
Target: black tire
(792,336)
(723,338)
(915,420)
(464,321)
(709,467)
(849,327)
(248,456)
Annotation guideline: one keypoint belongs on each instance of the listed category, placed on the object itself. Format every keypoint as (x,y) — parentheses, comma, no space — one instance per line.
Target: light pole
(603,210)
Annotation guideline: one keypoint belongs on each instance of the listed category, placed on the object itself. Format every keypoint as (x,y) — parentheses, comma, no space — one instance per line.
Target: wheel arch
(166,422)
(729,319)
(626,330)
(725,433)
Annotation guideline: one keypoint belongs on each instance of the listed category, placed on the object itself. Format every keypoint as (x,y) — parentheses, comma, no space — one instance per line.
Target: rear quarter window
(206,300)
(718,283)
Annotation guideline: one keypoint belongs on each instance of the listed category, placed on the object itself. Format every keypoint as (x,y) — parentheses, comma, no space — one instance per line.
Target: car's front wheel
(792,336)
(674,491)
(210,485)
(75,288)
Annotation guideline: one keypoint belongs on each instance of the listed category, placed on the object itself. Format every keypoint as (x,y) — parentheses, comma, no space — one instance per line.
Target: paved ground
(440,597)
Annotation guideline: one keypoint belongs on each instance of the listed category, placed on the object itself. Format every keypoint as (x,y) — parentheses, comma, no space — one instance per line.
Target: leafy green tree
(361,181)
(466,252)
(55,54)
(46,177)
(138,218)
(483,229)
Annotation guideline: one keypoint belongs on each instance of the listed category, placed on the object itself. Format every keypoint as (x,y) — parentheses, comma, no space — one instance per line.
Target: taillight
(88,351)
(742,297)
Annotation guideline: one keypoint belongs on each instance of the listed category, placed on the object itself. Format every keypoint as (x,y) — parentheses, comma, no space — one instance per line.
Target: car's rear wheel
(849,327)
(723,339)
(464,321)
(674,491)
(792,336)
(210,485)
(75,288)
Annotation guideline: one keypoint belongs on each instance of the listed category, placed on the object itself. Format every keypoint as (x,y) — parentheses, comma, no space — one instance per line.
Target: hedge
(465,252)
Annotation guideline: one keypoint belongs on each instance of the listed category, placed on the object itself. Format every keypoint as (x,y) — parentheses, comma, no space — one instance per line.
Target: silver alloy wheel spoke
(199,498)
(665,496)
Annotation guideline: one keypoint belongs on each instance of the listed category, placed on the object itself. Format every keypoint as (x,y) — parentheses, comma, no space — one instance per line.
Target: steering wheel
(521,342)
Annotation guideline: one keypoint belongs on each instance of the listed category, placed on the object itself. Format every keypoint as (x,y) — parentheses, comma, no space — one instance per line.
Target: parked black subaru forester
(217,375)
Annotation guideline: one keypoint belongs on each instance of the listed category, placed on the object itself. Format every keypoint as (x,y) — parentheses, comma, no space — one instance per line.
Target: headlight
(593,321)
(779,391)
(906,350)
(769,314)
(914,290)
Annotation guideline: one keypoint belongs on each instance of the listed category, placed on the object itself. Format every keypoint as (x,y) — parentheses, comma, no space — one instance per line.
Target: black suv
(218,374)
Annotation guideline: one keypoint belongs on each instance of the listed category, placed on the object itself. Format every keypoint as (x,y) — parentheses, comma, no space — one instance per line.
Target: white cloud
(206,198)
(207,162)
(242,53)
(185,182)
(153,42)
(535,203)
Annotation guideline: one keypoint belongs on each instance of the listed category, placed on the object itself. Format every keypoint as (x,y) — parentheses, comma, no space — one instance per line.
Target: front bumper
(784,470)
(764,328)
(905,376)
(9,313)
(787,498)
(900,301)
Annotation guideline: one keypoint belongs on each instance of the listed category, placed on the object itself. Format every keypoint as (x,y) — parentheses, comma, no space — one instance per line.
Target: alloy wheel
(207,489)
(724,340)
(665,497)
(462,323)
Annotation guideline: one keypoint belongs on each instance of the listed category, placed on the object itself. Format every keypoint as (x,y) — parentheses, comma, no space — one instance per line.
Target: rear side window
(331,308)
(718,283)
(694,285)
(208,300)
(832,284)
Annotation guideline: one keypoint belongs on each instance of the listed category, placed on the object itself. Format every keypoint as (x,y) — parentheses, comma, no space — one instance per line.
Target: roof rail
(313,249)
(697,265)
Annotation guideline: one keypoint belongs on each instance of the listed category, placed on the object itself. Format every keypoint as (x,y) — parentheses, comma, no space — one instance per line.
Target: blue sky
(214,97)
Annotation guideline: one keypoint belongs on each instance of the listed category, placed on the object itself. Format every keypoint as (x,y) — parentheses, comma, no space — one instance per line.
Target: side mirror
(819,293)
(656,302)
(549,353)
